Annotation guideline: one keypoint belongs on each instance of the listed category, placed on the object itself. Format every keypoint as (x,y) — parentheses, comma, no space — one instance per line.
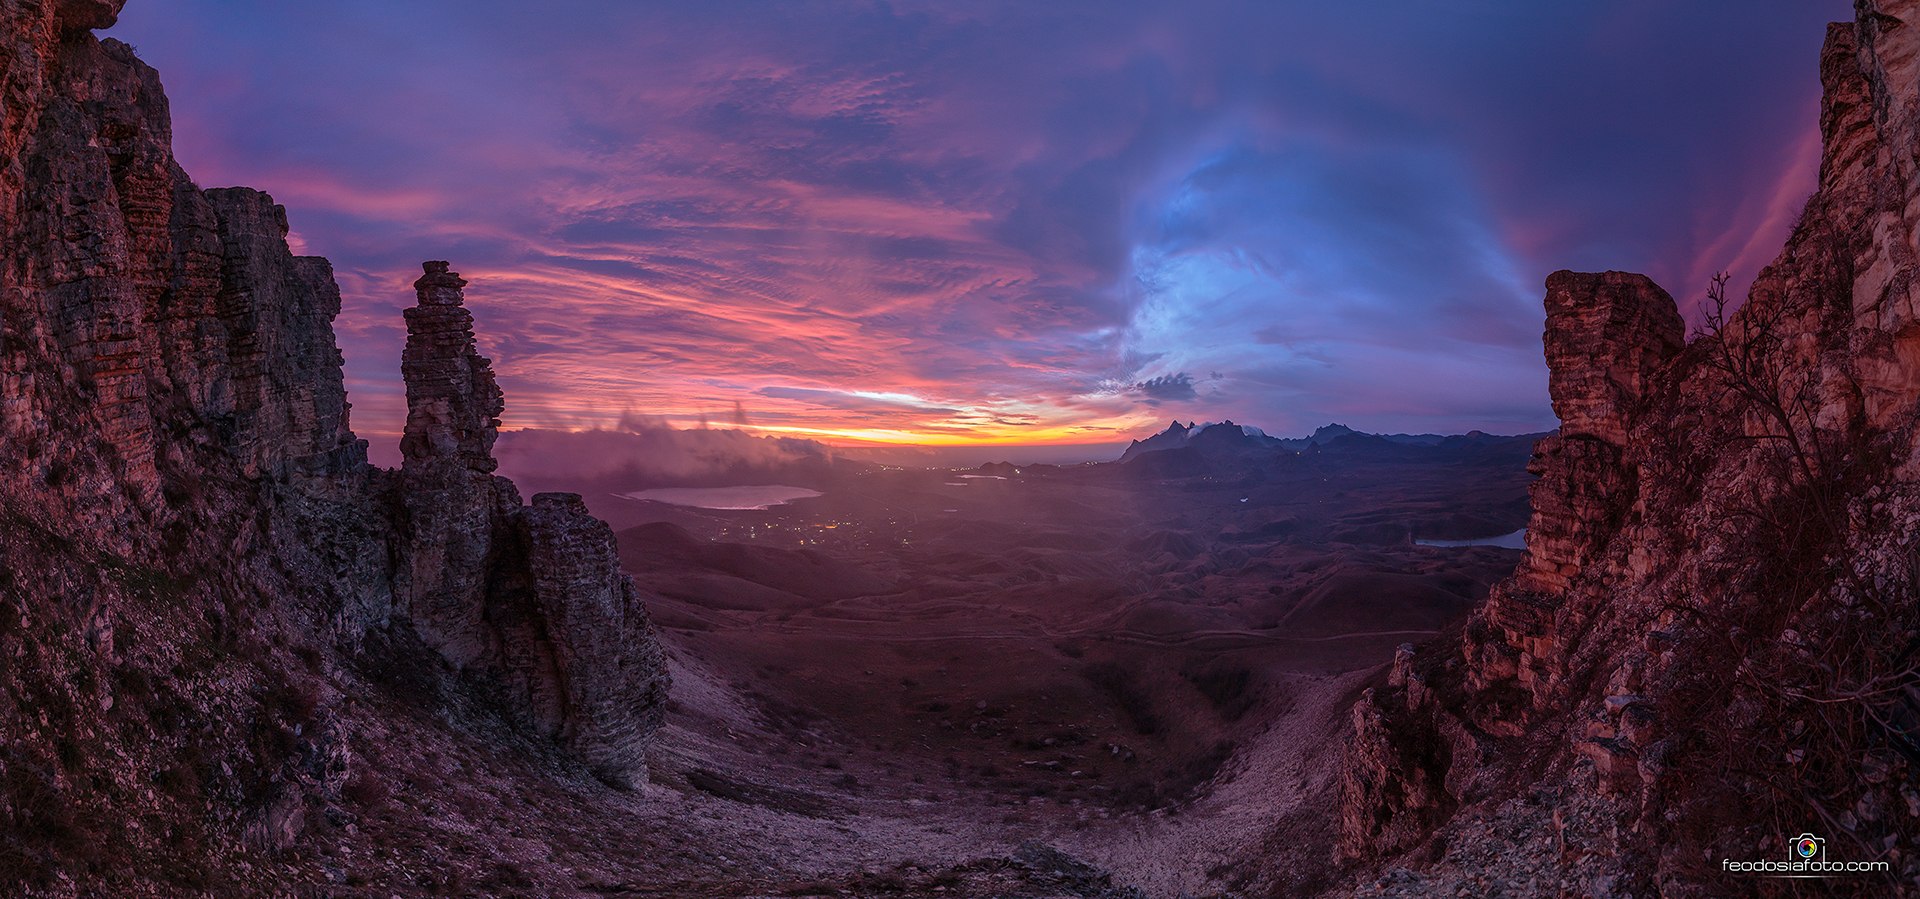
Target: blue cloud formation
(920,218)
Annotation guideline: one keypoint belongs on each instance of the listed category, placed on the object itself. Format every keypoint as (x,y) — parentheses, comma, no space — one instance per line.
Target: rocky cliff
(1711,644)
(198,568)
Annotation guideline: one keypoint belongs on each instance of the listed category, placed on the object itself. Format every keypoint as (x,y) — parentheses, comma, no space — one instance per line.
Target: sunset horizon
(877,233)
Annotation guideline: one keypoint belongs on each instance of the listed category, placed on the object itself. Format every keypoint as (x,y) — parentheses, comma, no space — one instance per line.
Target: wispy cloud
(1004,221)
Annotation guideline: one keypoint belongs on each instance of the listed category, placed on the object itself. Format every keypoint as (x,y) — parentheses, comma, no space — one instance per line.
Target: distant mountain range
(640,457)
(1226,436)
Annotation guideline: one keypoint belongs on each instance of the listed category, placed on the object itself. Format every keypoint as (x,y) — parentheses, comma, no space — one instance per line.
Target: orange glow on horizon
(1063,435)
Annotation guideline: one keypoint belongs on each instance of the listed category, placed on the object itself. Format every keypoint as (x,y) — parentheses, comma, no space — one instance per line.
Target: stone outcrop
(1608,336)
(87,15)
(1390,784)
(593,674)
(184,507)
(289,402)
(530,599)
(1710,636)
(456,507)
(453,402)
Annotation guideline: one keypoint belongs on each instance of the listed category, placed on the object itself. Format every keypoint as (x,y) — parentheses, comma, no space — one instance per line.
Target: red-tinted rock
(1721,553)
(87,15)
(1608,336)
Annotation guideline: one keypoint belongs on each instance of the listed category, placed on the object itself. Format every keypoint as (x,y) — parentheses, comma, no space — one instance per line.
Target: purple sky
(1024,222)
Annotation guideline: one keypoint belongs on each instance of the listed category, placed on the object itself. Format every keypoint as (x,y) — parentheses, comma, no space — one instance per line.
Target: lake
(1515,540)
(761,496)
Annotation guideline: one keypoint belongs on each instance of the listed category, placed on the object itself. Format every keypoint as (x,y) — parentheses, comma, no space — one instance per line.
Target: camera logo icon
(1806,846)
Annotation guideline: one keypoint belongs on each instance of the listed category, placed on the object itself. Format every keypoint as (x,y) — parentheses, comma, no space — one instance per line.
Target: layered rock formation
(197,564)
(585,657)
(456,507)
(1609,336)
(531,599)
(1709,647)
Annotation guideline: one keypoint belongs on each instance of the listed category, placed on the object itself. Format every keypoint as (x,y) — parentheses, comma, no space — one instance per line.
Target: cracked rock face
(453,402)
(456,508)
(76,16)
(607,683)
(179,475)
(1608,336)
(1720,563)
(531,598)
(288,400)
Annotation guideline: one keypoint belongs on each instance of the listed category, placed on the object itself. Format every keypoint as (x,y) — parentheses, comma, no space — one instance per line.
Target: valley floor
(1078,682)
(918,682)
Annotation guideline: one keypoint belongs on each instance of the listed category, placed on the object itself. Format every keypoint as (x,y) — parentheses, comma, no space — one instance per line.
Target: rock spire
(453,401)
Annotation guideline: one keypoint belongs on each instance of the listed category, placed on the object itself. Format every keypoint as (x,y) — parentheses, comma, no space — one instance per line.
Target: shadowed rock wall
(1709,646)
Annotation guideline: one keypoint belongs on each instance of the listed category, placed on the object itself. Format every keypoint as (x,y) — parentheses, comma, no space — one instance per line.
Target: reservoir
(761,496)
(1515,540)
